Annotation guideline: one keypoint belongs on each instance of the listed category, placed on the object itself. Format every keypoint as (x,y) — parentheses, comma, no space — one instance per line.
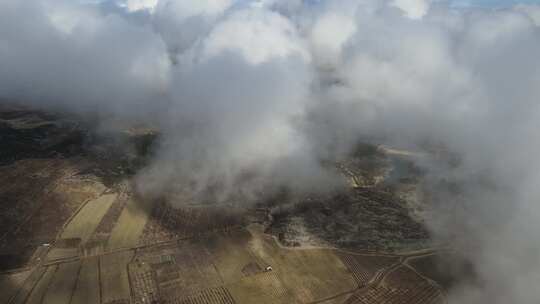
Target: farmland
(83,225)
(222,263)
(10,284)
(114,277)
(364,267)
(130,225)
(75,230)
(87,289)
(61,287)
(234,267)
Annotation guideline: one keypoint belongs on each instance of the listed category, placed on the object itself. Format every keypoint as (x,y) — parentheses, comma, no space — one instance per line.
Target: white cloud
(183,9)
(533,11)
(248,98)
(329,34)
(135,5)
(258,34)
(414,9)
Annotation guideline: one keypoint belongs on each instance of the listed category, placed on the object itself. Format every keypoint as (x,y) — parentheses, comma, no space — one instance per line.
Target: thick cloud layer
(252,94)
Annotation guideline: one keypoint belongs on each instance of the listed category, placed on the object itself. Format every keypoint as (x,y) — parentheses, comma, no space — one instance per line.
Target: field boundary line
(70,219)
(13,297)
(76,282)
(430,281)
(48,284)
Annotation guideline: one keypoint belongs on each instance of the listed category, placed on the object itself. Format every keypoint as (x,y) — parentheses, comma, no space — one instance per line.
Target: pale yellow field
(87,289)
(297,276)
(41,287)
(86,221)
(230,255)
(10,284)
(221,269)
(130,225)
(114,276)
(62,284)
(263,288)
(62,253)
(239,258)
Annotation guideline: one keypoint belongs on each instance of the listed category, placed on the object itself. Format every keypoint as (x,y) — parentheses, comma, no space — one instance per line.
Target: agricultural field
(445,268)
(98,242)
(218,295)
(63,282)
(114,277)
(230,255)
(34,209)
(401,286)
(425,294)
(74,230)
(40,289)
(308,274)
(234,267)
(11,283)
(85,222)
(364,267)
(81,228)
(22,294)
(264,288)
(176,271)
(403,277)
(58,253)
(130,225)
(87,289)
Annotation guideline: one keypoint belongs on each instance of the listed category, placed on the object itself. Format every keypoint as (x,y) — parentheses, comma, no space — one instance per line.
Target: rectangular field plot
(403,278)
(114,276)
(10,284)
(28,285)
(84,224)
(401,286)
(130,225)
(424,294)
(143,283)
(314,274)
(62,253)
(218,295)
(263,288)
(306,274)
(63,283)
(341,299)
(232,257)
(176,272)
(87,289)
(441,268)
(39,290)
(364,267)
